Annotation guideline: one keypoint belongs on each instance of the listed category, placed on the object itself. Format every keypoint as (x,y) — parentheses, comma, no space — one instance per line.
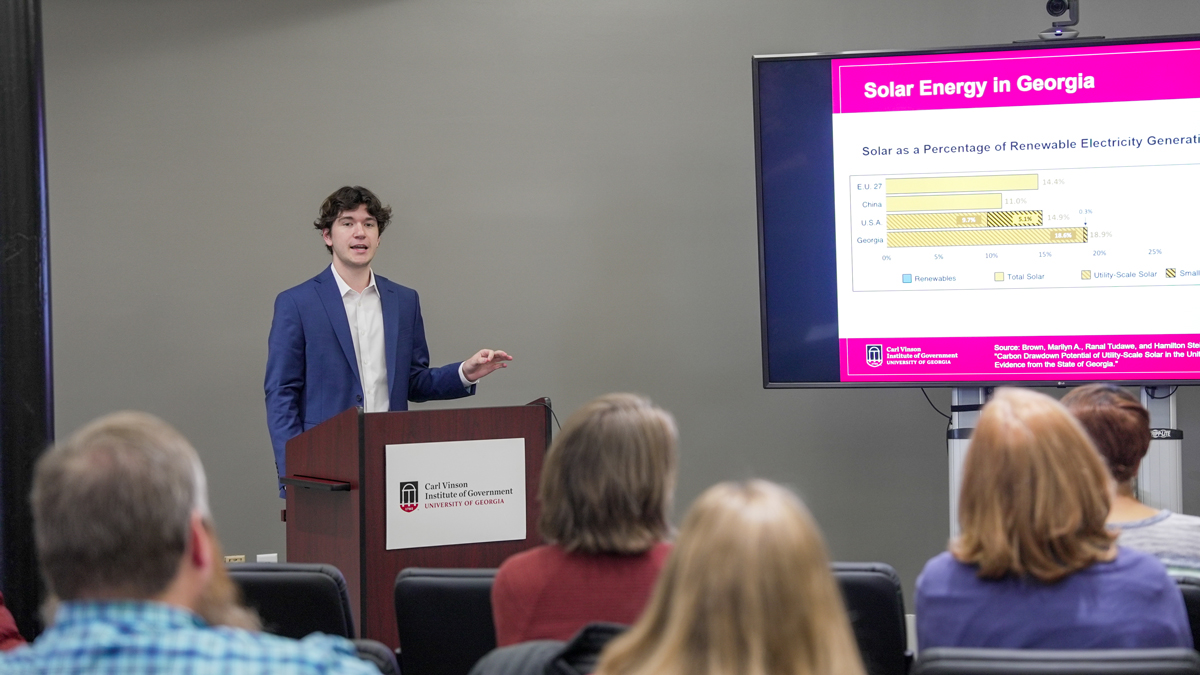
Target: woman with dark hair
(1120,428)
(1034,566)
(606,491)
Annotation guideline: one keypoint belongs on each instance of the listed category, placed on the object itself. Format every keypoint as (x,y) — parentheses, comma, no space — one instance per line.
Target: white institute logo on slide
(874,355)
(409,501)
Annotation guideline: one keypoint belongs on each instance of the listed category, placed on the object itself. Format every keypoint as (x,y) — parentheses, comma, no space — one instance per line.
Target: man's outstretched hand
(484,362)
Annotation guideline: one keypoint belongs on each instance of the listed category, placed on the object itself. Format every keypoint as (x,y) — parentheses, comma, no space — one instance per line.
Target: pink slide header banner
(1017,78)
(996,359)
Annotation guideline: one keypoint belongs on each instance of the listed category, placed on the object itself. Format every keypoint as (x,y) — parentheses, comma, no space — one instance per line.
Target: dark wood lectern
(336,498)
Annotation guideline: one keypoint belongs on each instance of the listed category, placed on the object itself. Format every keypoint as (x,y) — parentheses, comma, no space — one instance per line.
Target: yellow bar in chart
(1014,218)
(1055,235)
(937,221)
(990,200)
(900,186)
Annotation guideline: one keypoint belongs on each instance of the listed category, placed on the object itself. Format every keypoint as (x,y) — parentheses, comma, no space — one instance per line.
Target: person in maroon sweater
(10,637)
(606,491)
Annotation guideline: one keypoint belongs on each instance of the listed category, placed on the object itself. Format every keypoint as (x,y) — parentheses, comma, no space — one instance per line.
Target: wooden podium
(336,498)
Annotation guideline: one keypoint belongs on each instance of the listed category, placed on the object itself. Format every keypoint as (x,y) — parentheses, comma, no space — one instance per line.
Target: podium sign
(455,492)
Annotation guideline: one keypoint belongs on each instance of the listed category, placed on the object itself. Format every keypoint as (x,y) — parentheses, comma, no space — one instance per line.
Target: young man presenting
(348,337)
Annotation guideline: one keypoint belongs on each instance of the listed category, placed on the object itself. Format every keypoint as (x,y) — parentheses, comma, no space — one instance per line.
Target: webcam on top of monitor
(1061,30)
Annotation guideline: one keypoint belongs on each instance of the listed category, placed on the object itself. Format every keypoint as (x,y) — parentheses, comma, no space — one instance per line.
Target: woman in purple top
(1035,566)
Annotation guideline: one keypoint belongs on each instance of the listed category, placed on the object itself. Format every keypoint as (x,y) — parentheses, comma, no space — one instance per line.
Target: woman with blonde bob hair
(1034,566)
(747,591)
(606,492)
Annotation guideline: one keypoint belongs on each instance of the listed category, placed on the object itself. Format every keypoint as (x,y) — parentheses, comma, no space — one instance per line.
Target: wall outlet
(235,558)
(267,557)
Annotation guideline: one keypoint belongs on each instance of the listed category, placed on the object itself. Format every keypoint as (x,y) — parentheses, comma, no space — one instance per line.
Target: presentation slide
(1019,215)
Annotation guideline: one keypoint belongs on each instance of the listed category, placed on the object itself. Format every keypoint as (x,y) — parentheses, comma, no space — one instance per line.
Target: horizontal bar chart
(1054,235)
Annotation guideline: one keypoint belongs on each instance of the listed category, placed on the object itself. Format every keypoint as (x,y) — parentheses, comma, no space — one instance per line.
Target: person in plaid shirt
(131,559)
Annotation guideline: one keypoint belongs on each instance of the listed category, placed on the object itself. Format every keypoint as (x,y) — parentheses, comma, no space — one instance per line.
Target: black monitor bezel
(758,179)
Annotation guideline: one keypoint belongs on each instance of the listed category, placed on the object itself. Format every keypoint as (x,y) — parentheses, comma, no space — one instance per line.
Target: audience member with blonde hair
(1120,428)
(606,492)
(1035,566)
(747,591)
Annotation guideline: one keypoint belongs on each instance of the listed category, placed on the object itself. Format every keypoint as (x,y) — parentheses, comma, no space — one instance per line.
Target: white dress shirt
(364,312)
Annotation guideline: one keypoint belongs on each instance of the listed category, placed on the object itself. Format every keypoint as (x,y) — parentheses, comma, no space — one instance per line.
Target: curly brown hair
(349,198)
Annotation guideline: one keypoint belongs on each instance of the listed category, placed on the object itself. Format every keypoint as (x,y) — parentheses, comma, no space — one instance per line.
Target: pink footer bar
(1044,357)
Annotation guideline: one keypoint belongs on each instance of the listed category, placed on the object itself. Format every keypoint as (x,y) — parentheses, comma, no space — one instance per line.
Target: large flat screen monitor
(1026,213)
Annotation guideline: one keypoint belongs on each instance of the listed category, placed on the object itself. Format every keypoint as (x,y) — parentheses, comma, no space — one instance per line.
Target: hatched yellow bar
(1056,235)
(1023,181)
(933,221)
(990,200)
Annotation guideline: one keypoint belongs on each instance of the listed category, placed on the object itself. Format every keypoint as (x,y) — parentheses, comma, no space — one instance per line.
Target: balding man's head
(112,507)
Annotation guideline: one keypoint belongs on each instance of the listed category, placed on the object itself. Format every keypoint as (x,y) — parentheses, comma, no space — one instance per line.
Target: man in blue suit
(348,337)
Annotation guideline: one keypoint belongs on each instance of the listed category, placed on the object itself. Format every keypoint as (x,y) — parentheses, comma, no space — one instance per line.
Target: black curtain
(26,385)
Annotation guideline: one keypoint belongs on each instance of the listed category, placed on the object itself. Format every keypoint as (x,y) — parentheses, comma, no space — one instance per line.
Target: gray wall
(574,183)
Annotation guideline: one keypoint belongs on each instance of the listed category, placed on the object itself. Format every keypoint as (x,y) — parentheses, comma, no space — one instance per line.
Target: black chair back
(961,661)
(1190,587)
(444,619)
(295,599)
(578,656)
(875,602)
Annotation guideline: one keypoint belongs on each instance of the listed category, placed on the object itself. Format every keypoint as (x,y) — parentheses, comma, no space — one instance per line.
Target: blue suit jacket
(312,371)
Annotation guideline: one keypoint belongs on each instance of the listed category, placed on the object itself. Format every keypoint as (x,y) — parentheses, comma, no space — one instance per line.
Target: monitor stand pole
(965,403)
(1159,482)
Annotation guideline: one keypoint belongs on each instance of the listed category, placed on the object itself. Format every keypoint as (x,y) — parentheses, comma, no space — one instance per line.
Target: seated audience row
(128,549)
(1034,567)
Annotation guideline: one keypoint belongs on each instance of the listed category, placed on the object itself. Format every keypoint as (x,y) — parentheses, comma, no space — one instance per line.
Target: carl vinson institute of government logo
(408,496)
(874,355)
